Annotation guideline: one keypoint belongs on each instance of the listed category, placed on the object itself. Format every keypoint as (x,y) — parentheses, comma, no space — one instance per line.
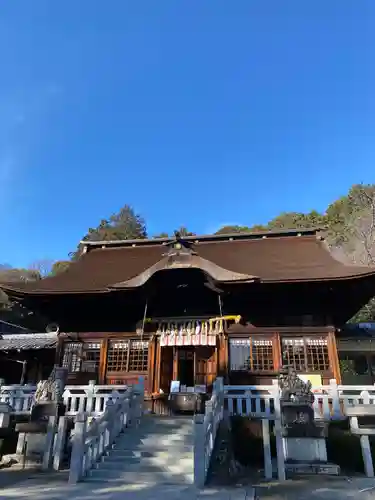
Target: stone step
(151,436)
(161,432)
(156,424)
(181,465)
(188,427)
(159,451)
(136,456)
(149,417)
(129,477)
(150,451)
(157,444)
(166,421)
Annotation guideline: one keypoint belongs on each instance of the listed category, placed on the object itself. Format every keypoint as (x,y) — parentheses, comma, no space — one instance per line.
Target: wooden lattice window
(81,356)
(306,354)
(91,357)
(138,356)
(127,356)
(255,354)
(117,356)
(72,356)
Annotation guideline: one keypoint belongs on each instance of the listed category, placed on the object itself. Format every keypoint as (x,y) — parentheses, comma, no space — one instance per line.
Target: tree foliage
(183,232)
(349,227)
(161,235)
(42,267)
(12,311)
(124,225)
(234,229)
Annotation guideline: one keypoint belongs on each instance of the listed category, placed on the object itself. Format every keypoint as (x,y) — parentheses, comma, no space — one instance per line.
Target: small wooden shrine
(25,356)
(185,310)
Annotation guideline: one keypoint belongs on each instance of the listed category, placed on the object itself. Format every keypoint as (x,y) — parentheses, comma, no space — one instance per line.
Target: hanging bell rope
(220,305)
(143,323)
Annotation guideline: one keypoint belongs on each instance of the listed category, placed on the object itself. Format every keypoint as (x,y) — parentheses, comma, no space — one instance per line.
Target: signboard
(200,389)
(175,386)
(126,380)
(316,380)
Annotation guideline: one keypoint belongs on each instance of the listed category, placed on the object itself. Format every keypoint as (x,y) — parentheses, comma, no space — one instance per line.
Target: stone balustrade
(102,412)
(92,440)
(330,402)
(91,398)
(363,431)
(205,430)
(255,400)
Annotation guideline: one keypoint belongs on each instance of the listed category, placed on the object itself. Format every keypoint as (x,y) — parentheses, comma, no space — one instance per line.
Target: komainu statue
(50,390)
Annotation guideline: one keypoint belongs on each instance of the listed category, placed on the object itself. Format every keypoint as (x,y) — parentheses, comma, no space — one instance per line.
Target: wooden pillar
(158,365)
(175,363)
(223,358)
(103,361)
(59,351)
(151,365)
(333,357)
(276,349)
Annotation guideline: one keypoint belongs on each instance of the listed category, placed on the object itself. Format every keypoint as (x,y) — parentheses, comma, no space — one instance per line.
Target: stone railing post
(60,442)
(364,432)
(78,448)
(335,396)
(49,443)
(61,376)
(90,396)
(199,451)
(109,412)
(125,412)
(220,389)
(280,456)
(208,407)
(139,392)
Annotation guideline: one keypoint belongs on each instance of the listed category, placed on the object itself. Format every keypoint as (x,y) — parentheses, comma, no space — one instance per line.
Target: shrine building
(186,310)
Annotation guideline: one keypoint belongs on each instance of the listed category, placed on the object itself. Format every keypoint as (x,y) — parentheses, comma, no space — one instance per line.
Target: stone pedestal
(307,456)
(36,444)
(303,437)
(5,411)
(305,449)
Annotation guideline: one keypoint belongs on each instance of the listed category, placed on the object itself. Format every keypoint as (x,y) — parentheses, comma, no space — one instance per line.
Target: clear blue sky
(196,112)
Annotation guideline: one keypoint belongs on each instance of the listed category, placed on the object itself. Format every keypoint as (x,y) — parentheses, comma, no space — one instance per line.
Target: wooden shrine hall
(181,311)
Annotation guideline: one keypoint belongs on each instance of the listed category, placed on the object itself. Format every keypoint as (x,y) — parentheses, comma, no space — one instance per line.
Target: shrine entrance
(186,366)
(194,368)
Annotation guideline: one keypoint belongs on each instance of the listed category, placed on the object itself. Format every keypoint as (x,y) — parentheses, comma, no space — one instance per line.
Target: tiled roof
(24,341)
(273,257)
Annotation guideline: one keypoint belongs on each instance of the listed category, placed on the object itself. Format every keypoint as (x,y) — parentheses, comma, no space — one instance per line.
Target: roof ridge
(205,237)
(28,335)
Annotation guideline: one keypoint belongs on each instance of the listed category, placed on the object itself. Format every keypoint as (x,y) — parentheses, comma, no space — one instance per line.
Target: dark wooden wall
(162,362)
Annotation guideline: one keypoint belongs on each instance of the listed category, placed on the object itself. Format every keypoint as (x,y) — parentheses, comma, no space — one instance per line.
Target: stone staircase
(159,451)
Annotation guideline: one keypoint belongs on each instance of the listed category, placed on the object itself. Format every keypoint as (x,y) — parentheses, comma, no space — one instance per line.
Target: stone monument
(47,392)
(304,438)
